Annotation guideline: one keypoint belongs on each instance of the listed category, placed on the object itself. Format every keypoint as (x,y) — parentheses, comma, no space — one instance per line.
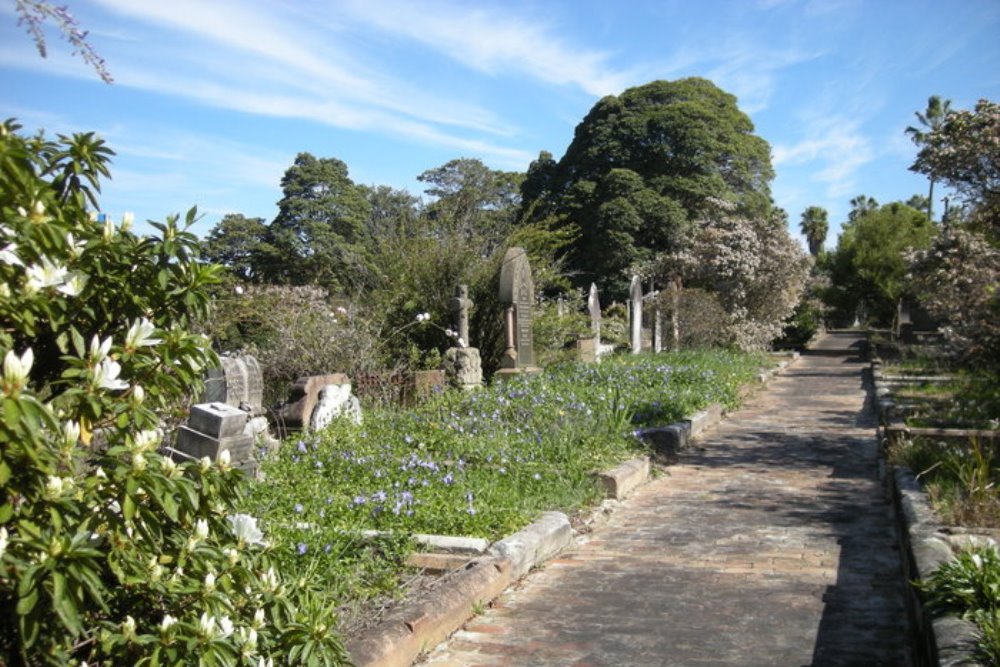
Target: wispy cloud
(836,150)
(495,41)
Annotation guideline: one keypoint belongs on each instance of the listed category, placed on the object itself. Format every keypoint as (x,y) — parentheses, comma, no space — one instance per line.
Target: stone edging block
(408,631)
(705,419)
(623,479)
(534,544)
(944,640)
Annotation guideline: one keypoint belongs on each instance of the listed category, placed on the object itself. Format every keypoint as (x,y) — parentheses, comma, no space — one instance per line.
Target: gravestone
(657,328)
(214,427)
(316,400)
(463,365)
(517,293)
(461,305)
(594,308)
(238,382)
(635,314)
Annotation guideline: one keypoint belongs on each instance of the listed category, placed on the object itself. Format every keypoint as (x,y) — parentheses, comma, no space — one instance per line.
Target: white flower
(167,621)
(249,639)
(4,541)
(74,283)
(38,212)
(232,555)
(239,290)
(108,232)
(263,663)
(16,370)
(99,348)
(128,628)
(169,466)
(210,581)
(54,486)
(423,317)
(75,247)
(140,334)
(269,580)
(146,440)
(201,529)
(245,529)
(204,464)
(138,462)
(106,375)
(226,626)
(9,255)
(138,394)
(127,219)
(224,458)
(258,618)
(48,274)
(206,625)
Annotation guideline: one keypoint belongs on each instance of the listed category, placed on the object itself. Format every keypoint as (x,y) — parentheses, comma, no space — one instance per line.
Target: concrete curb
(535,544)
(408,631)
(938,640)
(621,480)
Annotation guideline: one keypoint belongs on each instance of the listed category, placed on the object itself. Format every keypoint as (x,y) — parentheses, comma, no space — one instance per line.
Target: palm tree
(814,226)
(861,205)
(932,119)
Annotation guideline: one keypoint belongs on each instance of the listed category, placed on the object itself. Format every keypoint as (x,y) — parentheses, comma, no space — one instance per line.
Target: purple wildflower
(301,548)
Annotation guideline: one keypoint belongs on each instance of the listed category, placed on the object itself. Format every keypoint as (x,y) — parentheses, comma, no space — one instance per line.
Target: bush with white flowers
(111,554)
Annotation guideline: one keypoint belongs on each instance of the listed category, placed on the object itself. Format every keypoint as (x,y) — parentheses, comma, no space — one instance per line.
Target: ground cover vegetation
(480,464)
(969,586)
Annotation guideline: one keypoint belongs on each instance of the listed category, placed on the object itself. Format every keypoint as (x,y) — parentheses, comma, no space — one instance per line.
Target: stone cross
(517,293)
(594,308)
(461,305)
(635,314)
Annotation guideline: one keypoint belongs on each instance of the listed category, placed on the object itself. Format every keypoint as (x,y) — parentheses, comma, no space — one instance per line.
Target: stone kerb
(926,545)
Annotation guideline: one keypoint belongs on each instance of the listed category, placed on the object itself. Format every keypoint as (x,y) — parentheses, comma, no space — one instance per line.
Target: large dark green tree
(318,231)
(240,244)
(642,166)
(868,269)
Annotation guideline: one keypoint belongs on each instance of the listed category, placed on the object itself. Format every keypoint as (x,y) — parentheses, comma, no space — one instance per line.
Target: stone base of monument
(464,367)
(507,373)
(213,428)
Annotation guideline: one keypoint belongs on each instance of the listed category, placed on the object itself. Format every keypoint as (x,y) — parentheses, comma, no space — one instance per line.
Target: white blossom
(140,335)
(74,283)
(4,540)
(106,375)
(16,370)
(146,440)
(99,349)
(206,625)
(258,618)
(210,581)
(201,529)
(128,628)
(224,458)
(167,621)
(127,219)
(9,255)
(47,274)
(225,626)
(245,529)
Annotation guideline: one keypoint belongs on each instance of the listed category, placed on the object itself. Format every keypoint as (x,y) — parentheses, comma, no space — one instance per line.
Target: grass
(480,464)
(969,586)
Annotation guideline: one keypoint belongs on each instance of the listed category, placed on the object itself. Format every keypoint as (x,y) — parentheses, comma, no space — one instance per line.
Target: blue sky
(213,99)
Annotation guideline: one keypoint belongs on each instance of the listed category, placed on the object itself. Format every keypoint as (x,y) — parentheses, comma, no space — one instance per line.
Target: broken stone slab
(450,544)
(666,441)
(436,563)
(297,413)
(538,542)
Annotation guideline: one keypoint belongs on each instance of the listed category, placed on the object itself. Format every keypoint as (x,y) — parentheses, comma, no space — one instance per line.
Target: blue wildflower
(301,548)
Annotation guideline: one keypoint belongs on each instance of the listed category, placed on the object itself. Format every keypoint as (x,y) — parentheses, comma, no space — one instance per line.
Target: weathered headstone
(214,427)
(657,328)
(238,382)
(594,308)
(316,400)
(635,314)
(517,293)
(461,305)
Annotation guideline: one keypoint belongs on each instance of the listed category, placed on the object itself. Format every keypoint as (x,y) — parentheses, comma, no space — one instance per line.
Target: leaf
(4,472)
(128,508)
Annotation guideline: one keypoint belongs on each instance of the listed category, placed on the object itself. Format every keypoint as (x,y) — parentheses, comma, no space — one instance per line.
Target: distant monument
(517,294)
(594,308)
(462,364)
(635,314)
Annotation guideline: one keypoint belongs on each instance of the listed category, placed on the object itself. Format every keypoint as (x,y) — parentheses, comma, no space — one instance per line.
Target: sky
(213,99)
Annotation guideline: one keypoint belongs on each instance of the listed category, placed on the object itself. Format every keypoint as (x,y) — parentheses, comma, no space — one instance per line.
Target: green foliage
(241,245)
(969,586)
(111,553)
(868,270)
(641,168)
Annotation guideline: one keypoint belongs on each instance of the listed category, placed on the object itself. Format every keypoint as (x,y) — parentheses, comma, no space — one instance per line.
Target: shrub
(109,552)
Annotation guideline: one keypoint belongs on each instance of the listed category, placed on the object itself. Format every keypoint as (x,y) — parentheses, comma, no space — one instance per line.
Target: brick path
(770,543)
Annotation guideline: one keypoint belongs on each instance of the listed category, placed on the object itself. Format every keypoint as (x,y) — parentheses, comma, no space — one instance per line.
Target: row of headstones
(231,416)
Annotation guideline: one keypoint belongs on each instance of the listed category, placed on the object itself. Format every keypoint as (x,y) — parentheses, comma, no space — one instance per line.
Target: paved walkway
(770,543)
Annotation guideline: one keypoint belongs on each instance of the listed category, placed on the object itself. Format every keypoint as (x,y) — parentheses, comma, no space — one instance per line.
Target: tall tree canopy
(932,120)
(318,230)
(640,170)
(814,226)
